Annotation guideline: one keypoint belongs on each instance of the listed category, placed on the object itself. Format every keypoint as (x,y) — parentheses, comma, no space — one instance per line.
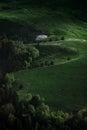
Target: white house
(41,37)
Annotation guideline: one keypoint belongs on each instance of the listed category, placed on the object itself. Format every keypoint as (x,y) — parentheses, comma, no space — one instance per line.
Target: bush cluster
(43,63)
(17,55)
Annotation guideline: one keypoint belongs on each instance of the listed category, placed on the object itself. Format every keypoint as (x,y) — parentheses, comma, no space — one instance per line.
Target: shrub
(82,113)
(85,120)
(62,38)
(34,53)
(38,44)
(68,58)
(9,79)
(31,109)
(44,108)
(46,62)
(36,101)
(64,115)
(27,64)
(53,38)
(52,63)
(42,64)
(50,40)
(21,86)
(28,97)
(7,109)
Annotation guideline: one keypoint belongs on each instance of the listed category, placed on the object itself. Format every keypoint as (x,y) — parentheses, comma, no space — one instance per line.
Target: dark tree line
(32,113)
(15,55)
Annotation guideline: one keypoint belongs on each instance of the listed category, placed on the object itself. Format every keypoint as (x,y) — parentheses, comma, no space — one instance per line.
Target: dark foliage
(14,55)
(31,113)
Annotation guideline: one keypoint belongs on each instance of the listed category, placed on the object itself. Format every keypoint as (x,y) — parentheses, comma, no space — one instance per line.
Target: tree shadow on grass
(16,31)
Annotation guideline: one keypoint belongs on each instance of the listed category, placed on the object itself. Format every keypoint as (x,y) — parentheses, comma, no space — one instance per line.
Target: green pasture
(59,23)
(64,86)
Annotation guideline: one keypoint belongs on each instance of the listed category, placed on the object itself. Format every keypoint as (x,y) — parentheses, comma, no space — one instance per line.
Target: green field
(63,86)
(43,20)
(43,65)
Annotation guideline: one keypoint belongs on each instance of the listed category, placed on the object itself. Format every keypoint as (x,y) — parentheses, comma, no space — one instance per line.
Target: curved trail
(59,43)
(75,39)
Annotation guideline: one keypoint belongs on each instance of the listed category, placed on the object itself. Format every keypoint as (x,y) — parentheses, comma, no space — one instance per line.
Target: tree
(17,55)
(34,53)
(36,101)
(7,109)
(9,79)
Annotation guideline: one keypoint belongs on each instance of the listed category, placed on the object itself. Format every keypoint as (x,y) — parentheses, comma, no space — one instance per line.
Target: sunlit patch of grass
(57,23)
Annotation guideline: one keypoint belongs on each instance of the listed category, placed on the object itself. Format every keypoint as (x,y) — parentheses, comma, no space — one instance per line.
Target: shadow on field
(16,31)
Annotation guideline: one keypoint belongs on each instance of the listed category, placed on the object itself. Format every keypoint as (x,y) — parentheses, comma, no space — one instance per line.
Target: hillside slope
(33,21)
(64,86)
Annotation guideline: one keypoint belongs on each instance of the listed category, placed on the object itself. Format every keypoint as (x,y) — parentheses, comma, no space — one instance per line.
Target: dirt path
(68,61)
(59,43)
(75,39)
(54,43)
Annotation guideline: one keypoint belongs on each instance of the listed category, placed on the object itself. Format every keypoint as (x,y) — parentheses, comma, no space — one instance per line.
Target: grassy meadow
(64,84)
(43,20)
